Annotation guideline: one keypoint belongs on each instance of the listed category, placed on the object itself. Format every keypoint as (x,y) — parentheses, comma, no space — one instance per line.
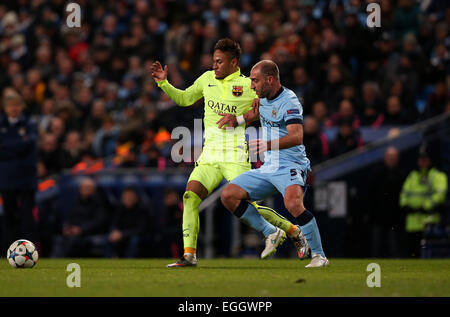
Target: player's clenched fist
(158,73)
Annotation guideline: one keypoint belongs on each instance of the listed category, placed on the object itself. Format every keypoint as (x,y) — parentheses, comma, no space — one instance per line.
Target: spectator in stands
(440,61)
(71,153)
(438,100)
(44,61)
(346,140)
(67,112)
(320,112)
(386,219)
(387,14)
(410,74)
(349,93)
(335,60)
(46,114)
(262,36)
(86,220)
(42,172)
(37,85)
(50,153)
(395,114)
(315,141)
(18,82)
(372,71)
(105,139)
(18,175)
(422,198)
(406,18)
(132,122)
(331,93)
(58,129)
(216,14)
(28,97)
(19,50)
(371,97)
(48,211)
(111,98)
(371,117)
(248,57)
(346,113)
(152,156)
(406,99)
(129,222)
(83,100)
(98,112)
(303,86)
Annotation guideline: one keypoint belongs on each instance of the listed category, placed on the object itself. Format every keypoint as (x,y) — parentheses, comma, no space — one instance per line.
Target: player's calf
(234,198)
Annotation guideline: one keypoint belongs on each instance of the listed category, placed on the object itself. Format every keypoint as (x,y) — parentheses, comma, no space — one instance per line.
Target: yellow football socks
(191,222)
(276,219)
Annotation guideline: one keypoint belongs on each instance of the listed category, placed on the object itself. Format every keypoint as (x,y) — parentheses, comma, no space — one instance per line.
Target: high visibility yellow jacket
(422,192)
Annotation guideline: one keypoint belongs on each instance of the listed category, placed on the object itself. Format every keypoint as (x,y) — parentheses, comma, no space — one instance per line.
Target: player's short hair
(230,47)
(268,68)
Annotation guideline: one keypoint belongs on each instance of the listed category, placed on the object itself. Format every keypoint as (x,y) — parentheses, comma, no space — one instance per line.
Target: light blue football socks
(310,230)
(250,216)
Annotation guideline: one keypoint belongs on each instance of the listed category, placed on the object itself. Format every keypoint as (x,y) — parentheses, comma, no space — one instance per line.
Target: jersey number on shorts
(294,173)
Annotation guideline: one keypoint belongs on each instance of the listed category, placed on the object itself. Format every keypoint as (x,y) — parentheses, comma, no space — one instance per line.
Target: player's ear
(234,61)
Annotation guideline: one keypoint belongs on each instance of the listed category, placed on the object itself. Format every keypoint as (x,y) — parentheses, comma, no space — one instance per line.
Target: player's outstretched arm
(233,121)
(183,98)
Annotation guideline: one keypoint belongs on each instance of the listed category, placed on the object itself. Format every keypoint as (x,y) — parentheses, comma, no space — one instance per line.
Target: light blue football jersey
(275,115)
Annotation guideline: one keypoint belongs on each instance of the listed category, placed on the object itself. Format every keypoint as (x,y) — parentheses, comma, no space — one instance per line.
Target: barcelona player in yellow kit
(225,91)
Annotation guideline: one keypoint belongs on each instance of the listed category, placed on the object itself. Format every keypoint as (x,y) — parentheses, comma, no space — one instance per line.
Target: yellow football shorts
(210,174)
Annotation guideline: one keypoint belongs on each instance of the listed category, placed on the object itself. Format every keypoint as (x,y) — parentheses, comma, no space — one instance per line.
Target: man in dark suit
(386,218)
(84,224)
(128,225)
(18,169)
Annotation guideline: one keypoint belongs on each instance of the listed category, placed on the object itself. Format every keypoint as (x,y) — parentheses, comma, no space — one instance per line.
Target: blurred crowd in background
(91,93)
(96,105)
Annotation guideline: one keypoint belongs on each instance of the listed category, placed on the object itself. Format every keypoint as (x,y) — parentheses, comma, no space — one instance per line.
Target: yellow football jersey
(230,95)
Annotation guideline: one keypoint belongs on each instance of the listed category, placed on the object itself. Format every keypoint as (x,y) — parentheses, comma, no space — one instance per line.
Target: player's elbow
(183,103)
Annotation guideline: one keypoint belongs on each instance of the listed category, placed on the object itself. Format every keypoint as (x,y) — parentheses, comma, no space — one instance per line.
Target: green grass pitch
(228,278)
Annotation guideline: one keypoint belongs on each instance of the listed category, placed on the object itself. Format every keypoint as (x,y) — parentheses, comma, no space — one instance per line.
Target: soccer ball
(22,254)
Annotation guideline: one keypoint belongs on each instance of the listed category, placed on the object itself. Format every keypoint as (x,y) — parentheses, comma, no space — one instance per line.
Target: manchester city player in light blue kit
(286,165)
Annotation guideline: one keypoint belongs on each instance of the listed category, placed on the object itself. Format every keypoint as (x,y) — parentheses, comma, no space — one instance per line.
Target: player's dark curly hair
(232,48)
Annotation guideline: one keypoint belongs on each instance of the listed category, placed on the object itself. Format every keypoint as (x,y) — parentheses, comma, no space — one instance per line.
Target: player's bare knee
(294,206)
(227,194)
(197,188)
(232,193)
